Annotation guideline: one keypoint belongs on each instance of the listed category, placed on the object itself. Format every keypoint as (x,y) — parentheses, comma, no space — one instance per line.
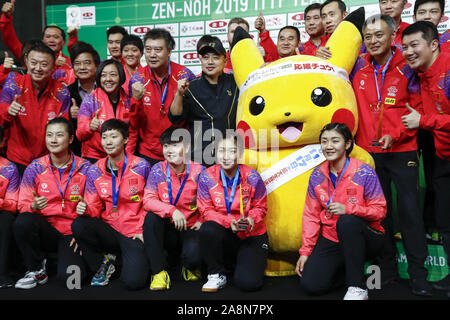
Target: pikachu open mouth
(290,130)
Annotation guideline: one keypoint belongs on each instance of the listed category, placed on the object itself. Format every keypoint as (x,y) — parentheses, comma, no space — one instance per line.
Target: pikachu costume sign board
(282,108)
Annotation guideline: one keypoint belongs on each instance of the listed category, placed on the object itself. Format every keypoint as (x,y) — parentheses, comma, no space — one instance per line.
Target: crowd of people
(112,165)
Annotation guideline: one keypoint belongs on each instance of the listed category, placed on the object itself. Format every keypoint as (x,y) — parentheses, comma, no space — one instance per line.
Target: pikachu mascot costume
(282,108)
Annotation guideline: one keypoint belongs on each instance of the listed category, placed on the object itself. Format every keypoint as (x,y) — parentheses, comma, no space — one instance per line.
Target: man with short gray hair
(384,86)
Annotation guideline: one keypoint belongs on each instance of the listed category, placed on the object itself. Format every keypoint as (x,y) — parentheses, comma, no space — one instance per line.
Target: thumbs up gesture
(138,90)
(411,120)
(8,8)
(15,107)
(260,23)
(74,109)
(81,206)
(8,63)
(38,203)
(95,122)
(60,60)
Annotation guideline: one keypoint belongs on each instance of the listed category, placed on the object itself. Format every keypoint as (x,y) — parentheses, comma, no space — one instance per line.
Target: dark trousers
(96,237)
(331,264)
(162,239)
(249,255)
(35,235)
(425,142)
(441,184)
(6,231)
(402,168)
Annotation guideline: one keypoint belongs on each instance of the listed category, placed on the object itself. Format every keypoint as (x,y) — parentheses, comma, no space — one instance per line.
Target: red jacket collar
(436,67)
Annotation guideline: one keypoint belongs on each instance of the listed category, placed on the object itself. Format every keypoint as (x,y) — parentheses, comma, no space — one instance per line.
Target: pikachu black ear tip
(357,18)
(239,34)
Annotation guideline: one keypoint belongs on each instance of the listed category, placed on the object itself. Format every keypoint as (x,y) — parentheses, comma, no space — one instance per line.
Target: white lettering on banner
(163,10)
(291,68)
(292,166)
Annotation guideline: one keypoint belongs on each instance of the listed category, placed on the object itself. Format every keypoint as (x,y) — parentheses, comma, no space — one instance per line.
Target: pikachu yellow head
(293,98)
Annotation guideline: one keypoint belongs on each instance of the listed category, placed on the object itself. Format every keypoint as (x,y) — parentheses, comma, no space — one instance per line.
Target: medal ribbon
(115,192)
(229,199)
(169,184)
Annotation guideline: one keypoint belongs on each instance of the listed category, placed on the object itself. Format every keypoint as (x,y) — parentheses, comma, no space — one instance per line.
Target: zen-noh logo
(141,30)
(218,24)
(190,56)
(298,17)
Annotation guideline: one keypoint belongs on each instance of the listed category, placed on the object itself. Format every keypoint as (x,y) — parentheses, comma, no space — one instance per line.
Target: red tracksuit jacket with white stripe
(211,199)
(156,195)
(435,90)
(43,178)
(9,185)
(359,190)
(27,130)
(130,214)
(91,142)
(400,86)
(148,113)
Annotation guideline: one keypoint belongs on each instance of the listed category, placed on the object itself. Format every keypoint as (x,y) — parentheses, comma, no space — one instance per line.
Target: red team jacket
(63,73)
(27,130)
(156,197)
(130,214)
(211,199)
(91,145)
(9,185)
(147,114)
(360,191)
(309,48)
(43,178)
(435,91)
(400,86)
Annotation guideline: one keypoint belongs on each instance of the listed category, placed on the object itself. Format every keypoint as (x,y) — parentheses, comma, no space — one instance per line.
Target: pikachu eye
(257,105)
(321,96)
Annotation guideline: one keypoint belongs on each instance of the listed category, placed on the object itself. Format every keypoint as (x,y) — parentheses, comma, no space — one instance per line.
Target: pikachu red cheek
(344,116)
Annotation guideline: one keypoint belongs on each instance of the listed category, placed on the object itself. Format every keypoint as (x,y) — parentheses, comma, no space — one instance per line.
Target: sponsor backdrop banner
(188,20)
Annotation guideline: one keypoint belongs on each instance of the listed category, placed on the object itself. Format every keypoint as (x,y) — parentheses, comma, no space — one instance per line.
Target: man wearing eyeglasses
(153,92)
(85,60)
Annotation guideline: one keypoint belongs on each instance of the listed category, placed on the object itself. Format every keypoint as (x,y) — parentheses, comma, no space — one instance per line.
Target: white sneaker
(356,293)
(215,282)
(33,278)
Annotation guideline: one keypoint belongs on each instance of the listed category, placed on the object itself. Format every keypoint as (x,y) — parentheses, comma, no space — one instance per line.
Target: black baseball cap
(213,46)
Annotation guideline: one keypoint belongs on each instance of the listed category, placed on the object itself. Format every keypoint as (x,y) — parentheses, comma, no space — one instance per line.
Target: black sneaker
(443,284)
(6,282)
(421,287)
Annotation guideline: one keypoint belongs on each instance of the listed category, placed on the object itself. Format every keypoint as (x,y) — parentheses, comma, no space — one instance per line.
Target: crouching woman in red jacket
(51,188)
(341,220)
(232,200)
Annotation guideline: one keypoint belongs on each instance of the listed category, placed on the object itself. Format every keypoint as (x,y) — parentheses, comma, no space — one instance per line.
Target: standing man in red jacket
(314,28)
(383,87)
(28,102)
(287,43)
(421,51)
(53,36)
(153,90)
(394,9)
(333,12)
